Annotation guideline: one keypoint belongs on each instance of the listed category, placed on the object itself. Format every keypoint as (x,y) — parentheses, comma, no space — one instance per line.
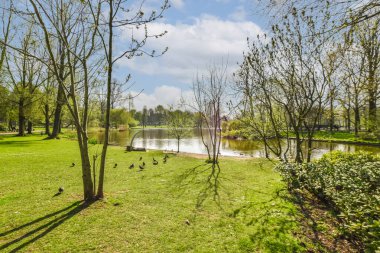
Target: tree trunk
(21,118)
(178,139)
(100,193)
(58,111)
(60,95)
(332,116)
(298,158)
(357,120)
(309,146)
(88,191)
(47,120)
(349,119)
(30,127)
(372,112)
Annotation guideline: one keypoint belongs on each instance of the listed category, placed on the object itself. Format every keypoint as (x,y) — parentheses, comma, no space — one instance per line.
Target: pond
(157,138)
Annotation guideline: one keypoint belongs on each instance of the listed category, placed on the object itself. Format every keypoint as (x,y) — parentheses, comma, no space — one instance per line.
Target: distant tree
(119,117)
(366,39)
(25,76)
(160,114)
(144,117)
(178,123)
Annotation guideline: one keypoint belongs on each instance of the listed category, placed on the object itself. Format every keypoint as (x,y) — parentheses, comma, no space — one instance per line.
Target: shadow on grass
(44,228)
(206,176)
(271,224)
(9,142)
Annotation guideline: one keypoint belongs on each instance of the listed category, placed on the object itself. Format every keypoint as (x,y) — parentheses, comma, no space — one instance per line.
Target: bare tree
(120,16)
(367,39)
(6,19)
(74,67)
(209,91)
(288,74)
(178,123)
(347,13)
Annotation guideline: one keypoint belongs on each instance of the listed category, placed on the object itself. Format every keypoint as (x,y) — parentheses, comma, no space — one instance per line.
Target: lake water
(161,139)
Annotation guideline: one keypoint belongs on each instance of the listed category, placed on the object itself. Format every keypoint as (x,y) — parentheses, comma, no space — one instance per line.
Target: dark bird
(141,167)
(140,158)
(166,156)
(155,162)
(143,164)
(131,166)
(164,160)
(187,222)
(73,164)
(60,190)
(115,165)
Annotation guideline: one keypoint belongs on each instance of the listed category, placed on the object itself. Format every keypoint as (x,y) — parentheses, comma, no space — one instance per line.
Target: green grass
(343,137)
(143,211)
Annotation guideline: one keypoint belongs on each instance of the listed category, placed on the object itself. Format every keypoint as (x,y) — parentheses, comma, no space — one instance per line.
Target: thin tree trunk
(332,116)
(47,120)
(357,120)
(21,118)
(100,193)
(372,112)
(88,190)
(298,158)
(30,127)
(60,95)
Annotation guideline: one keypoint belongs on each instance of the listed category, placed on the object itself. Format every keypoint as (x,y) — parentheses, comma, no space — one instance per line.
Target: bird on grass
(73,164)
(115,165)
(155,162)
(140,158)
(166,156)
(131,166)
(141,167)
(60,190)
(143,164)
(164,159)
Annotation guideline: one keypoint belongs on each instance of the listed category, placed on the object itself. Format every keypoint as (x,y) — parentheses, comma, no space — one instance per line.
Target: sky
(199,33)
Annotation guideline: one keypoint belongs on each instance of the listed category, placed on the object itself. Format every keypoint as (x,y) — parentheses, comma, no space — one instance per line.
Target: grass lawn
(150,211)
(344,137)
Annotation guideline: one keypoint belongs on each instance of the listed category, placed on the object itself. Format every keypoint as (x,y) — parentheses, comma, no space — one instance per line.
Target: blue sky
(199,33)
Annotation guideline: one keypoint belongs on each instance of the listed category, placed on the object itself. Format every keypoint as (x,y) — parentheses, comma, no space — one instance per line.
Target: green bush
(3,127)
(370,136)
(350,184)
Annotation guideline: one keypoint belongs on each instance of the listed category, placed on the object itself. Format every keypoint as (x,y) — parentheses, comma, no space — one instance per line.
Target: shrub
(347,182)
(3,127)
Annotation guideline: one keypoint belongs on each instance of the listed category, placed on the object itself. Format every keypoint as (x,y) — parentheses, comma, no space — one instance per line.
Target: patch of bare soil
(320,227)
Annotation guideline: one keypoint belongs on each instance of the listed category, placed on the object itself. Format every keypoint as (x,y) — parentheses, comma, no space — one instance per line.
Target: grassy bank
(346,137)
(337,136)
(149,211)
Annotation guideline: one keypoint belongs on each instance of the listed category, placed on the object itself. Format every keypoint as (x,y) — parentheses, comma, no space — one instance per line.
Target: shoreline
(202,156)
(360,143)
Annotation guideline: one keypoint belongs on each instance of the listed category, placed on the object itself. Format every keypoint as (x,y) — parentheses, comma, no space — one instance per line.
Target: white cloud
(162,95)
(193,46)
(178,4)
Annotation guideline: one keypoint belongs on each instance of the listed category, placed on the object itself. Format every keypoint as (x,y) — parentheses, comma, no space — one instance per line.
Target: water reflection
(192,143)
